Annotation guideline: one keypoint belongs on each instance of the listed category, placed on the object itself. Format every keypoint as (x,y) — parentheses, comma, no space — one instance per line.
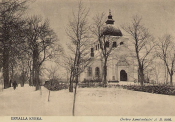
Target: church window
(92,52)
(89,71)
(107,44)
(114,44)
(97,72)
(96,47)
(121,43)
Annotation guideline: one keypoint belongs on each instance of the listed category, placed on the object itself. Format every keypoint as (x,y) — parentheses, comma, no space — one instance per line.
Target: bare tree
(143,45)
(155,72)
(52,75)
(40,41)
(22,67)
(79,36)
(166,52)
(16,53)
(11,12)
(106,36)
(66,61)
(78,33)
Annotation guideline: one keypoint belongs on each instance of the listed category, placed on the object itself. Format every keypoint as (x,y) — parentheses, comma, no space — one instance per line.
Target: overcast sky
(157,15)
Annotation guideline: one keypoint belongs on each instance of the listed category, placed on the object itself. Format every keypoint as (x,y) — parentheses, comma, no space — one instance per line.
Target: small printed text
(146,119)
(26,118)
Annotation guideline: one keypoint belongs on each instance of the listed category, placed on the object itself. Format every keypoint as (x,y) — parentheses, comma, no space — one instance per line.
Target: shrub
(157,89)
(113,81)
(55,85)
(91,83)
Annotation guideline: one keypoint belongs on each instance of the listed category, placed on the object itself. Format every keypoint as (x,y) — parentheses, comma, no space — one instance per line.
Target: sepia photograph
(87,60)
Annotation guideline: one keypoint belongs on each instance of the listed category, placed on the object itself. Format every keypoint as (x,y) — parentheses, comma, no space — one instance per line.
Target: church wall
(95,63)
(110,69)
(110,73)
(114,71)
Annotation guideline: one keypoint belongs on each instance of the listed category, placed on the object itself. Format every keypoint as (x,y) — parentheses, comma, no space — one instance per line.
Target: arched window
(107,44)
(98,46)
(121,43)
(114,44)
(92,52)
(89,71)
(97,72)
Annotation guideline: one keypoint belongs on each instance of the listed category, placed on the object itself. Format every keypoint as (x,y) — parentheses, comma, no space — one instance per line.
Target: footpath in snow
(25,101)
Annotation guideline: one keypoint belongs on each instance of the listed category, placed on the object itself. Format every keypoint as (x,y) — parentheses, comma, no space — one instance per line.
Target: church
(121,64)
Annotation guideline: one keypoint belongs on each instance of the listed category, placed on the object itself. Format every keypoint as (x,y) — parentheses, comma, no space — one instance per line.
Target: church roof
(110,30)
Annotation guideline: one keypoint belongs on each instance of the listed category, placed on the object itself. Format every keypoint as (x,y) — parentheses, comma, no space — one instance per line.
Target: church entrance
(123,75)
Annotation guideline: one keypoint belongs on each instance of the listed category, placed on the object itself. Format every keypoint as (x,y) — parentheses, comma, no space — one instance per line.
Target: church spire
(109,11)
(110,20)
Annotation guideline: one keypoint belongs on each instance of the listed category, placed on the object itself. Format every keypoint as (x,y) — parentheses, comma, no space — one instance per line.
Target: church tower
(110,21)
(110,29)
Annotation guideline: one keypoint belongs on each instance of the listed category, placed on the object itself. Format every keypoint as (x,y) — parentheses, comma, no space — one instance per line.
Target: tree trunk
(71,82)
(166,75)
(10,82)
(22,79)
(71,86)
(141,76)
(31,74)
(31,78)
(76,80)
(36,68)
(171,78)
(37,78)
(6,67)
(75,92)
(49,92)
(105,73)
(49,96)
(12,75)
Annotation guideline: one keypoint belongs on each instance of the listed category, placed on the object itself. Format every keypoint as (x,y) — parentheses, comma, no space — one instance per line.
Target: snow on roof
(110,30)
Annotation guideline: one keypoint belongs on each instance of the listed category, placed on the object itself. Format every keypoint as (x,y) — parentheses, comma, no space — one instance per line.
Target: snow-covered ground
(90,101)
(25,101)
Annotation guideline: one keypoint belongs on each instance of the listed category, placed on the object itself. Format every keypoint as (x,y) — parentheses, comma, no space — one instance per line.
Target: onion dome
(109,29)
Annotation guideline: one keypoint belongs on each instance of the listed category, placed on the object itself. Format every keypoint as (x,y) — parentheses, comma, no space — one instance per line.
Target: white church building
(121,65)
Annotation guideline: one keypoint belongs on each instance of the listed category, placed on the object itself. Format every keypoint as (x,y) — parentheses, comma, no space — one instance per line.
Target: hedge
(55,85)
(157,89)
